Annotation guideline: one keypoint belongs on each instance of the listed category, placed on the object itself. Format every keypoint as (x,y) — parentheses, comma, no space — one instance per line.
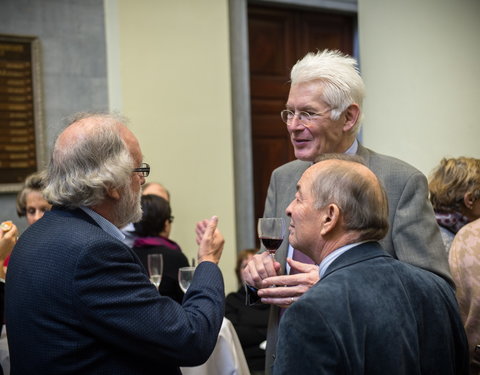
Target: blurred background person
(8,239)
(153,233)
(30,200)
(464,260)
(156,188)
(250,322)
(454,187)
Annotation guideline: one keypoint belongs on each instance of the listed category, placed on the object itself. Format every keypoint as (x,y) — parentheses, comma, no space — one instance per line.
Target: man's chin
(292,241)
(304,155)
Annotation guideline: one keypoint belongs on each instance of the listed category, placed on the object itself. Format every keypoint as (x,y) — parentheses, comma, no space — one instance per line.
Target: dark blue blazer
(79,301)
(372,314)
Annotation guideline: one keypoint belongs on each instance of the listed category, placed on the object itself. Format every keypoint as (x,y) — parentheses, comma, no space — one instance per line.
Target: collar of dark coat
(360,253)
(72,212)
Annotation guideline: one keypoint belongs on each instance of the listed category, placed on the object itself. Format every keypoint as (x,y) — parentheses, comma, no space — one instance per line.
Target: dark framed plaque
(22,145)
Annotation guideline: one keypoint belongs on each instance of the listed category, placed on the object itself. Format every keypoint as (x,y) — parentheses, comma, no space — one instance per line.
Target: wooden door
(278,37)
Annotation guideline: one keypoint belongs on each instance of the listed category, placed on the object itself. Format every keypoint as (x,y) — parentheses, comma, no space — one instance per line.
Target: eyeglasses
(303,116)
(144,169)
(170,219)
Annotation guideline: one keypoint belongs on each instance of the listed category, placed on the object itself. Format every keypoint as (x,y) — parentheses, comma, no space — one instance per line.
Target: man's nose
(295,123)
(288,210)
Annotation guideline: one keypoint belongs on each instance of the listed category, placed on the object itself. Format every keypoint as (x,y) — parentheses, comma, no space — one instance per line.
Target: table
(227,357)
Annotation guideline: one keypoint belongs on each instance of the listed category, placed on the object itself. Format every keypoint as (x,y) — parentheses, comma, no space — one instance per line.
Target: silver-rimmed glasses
(144,169)
(303,116)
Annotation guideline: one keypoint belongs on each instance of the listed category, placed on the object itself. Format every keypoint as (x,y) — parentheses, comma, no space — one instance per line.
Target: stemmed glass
(185,276)
(155,268)
(271,232)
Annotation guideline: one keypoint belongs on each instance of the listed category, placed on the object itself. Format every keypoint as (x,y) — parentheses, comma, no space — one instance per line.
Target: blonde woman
(454,187)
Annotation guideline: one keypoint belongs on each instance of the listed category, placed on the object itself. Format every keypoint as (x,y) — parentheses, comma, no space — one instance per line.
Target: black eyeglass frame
(144,169)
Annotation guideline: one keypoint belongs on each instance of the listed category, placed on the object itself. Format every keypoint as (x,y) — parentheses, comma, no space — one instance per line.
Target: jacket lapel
(364,153)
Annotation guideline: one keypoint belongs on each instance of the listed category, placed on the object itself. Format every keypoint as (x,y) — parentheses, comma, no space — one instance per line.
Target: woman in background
(153,232)
(250,322)
(30,200)
(454,189)
(464,261)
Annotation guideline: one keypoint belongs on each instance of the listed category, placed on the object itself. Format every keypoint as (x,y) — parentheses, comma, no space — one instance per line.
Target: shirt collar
(325,263)
(352,150)
(104,223)
(128,228)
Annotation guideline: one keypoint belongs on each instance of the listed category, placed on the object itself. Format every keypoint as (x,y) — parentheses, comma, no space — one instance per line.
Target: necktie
(300,257)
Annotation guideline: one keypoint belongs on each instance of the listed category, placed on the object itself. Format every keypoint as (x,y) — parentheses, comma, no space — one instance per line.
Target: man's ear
(113,193)
(352,114)
(330,219)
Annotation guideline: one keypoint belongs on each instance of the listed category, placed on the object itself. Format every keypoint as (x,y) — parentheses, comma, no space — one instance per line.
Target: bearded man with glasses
(323,115)
(78,300)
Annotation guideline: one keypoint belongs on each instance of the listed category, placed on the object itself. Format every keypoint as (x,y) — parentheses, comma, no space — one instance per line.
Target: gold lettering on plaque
(16,148)
(18,154)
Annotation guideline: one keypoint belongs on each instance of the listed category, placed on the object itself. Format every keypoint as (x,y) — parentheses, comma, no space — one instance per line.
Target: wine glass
(155,268)
(271,231)
(185,276)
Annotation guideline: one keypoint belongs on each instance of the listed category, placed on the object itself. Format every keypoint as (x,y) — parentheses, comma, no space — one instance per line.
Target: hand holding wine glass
(155,268)
(271,232)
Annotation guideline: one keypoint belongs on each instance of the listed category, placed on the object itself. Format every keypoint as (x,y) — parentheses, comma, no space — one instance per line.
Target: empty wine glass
(185,276)
(155,268)
(271,231)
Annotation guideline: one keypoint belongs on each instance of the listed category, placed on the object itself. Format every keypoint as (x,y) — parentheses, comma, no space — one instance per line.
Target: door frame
(241,119)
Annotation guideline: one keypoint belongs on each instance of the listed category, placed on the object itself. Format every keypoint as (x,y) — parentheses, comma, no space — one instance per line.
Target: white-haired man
(78,299)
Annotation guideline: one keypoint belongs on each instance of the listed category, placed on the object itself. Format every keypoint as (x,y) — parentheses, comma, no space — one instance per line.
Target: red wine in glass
(271,244)
(271,231)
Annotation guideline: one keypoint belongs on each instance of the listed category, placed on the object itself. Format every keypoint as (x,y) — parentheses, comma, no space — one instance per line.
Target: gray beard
(129,208)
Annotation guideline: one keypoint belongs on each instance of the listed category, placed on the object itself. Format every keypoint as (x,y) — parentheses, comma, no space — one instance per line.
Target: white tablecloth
(4,356)
(227,357)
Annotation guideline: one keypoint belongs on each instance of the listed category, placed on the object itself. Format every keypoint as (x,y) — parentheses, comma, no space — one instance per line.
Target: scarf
(452,221)
(156,241)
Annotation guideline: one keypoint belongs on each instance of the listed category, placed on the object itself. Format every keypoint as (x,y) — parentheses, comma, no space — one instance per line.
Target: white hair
(80,173)
(339,74)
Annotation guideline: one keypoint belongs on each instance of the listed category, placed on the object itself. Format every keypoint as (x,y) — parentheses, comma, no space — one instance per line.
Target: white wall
(172,64)
(420,62)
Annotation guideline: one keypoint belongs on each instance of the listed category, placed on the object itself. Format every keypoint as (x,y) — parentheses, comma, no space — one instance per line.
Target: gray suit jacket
(371,314)
(413,236)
